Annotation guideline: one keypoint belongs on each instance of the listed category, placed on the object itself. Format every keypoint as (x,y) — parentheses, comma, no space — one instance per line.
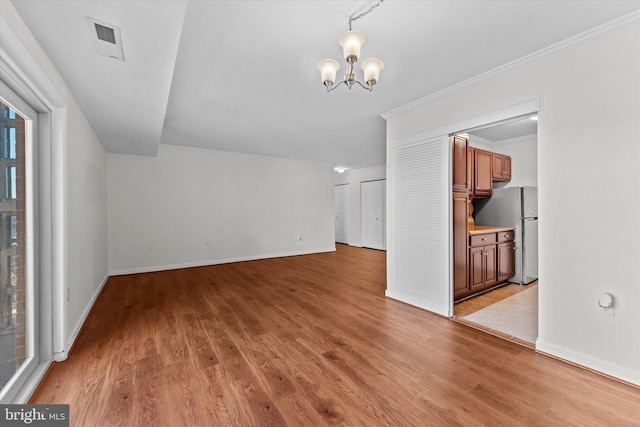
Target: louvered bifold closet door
(419,258)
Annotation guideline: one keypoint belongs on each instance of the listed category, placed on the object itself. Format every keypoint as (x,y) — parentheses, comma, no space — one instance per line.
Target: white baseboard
(589,362)
(417,300)
(73,335)
(154,268)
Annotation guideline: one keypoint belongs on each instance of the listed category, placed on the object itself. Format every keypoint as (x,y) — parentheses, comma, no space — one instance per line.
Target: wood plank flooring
(308,341)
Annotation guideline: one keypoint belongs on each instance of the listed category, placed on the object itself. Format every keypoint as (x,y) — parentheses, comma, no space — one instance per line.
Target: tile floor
(515,316)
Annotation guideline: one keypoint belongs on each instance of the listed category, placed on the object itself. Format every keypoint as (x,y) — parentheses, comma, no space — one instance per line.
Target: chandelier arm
(364,86)
(333,87)
(367,87)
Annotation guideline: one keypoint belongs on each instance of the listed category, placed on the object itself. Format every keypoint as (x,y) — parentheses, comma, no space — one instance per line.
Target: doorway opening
(495,217)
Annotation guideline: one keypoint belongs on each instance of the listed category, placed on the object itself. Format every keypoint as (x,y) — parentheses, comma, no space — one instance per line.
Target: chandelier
(351,42)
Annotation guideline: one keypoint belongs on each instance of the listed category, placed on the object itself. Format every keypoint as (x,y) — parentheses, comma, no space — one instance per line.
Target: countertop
(482,229)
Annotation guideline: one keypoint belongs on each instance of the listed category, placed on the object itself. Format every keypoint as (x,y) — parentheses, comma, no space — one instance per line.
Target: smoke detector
(106,39)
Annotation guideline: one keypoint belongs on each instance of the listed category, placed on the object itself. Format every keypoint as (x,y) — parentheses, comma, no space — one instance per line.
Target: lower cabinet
(506,260)
(491,261)
(483,267)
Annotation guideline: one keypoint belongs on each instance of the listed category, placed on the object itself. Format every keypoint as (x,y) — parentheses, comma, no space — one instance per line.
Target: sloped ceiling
(241,75)
(125,102)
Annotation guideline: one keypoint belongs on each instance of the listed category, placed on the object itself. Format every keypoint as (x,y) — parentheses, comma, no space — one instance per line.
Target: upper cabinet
(482,173)
(501,167)
(461,178)
(475,170)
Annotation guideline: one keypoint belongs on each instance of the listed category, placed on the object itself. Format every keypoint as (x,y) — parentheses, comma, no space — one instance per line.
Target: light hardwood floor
(308,341)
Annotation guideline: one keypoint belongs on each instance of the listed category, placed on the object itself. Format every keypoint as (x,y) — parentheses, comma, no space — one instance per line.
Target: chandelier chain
(366,12)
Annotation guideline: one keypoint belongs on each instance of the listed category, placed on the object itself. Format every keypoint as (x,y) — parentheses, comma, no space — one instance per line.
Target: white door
(342,213)
(372,212)
(418,255)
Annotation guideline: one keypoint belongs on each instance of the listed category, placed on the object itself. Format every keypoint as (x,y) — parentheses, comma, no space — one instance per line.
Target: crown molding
(516,140)
(595,33)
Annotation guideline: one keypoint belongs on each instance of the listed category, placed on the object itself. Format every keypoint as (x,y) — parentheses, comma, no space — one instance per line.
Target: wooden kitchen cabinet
(474,170)
(470,178)
(506,260)
(482,173)
(483,269)
(481,260)
(461,178)
(490,261)
(460,246)
(476,268)
(501,167)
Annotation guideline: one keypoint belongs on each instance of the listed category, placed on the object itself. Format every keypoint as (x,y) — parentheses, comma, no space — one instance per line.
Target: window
(16,291)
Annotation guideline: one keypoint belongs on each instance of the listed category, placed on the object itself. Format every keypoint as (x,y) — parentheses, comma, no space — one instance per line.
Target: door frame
(348,195)
(383,214)
(530,106)
(525,108)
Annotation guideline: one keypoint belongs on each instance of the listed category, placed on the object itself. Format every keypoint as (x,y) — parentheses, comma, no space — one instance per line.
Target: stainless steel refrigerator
(515,207)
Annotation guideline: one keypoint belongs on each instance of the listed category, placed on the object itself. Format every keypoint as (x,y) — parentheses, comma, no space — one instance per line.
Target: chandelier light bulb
(351,42)
(371,68)
(328,69)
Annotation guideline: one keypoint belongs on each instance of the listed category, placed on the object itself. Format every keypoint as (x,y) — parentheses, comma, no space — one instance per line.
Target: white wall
(354,177)
(192,206)
(524,160)
(86,190)
(87,217)
(589,189)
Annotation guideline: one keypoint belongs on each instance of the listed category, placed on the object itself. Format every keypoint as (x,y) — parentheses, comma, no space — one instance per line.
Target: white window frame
(21,73)
(32,262)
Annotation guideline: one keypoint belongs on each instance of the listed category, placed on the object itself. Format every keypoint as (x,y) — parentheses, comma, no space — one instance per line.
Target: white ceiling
(506,132)
(241,75)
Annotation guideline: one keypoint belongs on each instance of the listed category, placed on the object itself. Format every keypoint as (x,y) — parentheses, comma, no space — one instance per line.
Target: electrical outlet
(150,247)
(606,311)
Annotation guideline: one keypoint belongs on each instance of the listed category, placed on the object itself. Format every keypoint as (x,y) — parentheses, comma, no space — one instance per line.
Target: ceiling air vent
(105,34)
(106,39)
